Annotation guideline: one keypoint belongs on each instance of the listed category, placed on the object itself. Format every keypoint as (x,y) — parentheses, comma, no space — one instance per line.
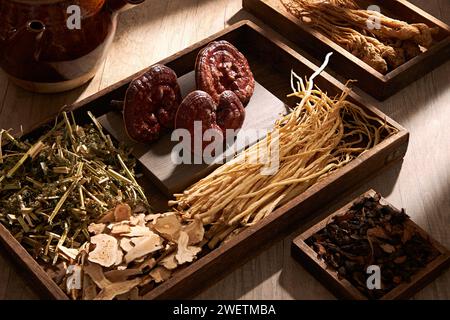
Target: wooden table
(159,28)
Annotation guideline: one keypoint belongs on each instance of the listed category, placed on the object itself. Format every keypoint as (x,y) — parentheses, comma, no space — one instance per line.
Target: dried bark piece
(160,274)
(168,226)
(138,220)
(95,272)
(89,288)
(148,264)
(220,67)
(126,244)
(169,262)
(386,247)
(108,217)
(138,231)
(144,247)
(121,275)
(69,253)
(195,231)
(122,212)
(106,250)
(73,281)
(151,103)
(116,289)
(185,253)
(120,229)
(133,294)
(96,228)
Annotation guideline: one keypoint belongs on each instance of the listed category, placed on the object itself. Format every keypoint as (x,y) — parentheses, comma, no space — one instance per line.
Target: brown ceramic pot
(41,48)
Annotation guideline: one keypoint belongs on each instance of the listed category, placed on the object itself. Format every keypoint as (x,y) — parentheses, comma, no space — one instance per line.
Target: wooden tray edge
(307,257)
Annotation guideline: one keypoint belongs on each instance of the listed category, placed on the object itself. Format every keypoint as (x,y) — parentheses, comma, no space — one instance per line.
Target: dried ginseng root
(371,233)
(384,48)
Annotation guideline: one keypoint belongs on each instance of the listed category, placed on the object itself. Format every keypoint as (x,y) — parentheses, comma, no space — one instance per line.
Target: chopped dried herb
(53,187)
(371,233)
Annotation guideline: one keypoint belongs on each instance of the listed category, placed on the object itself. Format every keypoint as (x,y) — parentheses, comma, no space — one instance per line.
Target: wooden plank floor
(421,184)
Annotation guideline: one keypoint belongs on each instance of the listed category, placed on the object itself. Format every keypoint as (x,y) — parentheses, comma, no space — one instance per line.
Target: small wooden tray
(347,65)
(271,61)
(343,288)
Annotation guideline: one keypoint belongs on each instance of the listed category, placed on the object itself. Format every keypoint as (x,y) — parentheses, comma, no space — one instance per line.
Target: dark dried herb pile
(53,187)
(373,234)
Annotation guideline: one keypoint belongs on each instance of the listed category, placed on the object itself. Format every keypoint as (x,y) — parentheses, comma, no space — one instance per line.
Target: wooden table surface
(159,28)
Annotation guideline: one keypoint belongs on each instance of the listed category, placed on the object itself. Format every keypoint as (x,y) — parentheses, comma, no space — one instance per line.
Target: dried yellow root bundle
(380,41)
(318,137)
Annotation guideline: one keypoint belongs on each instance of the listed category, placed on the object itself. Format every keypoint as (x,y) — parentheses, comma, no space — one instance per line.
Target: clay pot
(45,48)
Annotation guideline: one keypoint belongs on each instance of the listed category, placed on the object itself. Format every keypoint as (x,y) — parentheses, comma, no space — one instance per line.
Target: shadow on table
(252,280)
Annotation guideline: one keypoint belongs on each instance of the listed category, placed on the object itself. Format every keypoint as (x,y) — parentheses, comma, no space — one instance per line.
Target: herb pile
(373,234)
(53,188)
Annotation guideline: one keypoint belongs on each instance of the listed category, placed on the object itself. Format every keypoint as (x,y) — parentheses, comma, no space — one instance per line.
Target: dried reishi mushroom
(106,250)
(151,103)
(220,67)
(185,253)
(195,231)
(230,111)
(198,108)
(168,226)
(122,212)
(148,245)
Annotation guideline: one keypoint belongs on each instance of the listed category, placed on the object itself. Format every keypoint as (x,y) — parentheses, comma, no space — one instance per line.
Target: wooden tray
(344,289)
(271,62)
(347,65)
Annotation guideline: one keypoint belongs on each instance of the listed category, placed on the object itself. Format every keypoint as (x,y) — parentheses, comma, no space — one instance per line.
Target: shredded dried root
(318,137)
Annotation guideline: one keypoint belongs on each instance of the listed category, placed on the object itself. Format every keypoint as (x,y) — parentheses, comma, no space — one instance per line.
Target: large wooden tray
(349,66)
(344,289)
(271,62)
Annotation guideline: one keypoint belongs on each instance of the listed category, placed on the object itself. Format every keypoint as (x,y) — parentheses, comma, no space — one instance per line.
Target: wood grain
(421,184)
